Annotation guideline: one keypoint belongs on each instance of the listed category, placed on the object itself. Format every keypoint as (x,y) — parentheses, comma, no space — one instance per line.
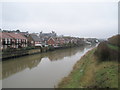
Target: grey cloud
(78,19)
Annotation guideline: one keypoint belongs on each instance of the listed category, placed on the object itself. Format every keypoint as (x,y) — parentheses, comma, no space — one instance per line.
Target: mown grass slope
(89,72)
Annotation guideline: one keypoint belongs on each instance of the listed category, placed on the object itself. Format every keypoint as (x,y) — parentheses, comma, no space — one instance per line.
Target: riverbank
(15,53)
(90,72)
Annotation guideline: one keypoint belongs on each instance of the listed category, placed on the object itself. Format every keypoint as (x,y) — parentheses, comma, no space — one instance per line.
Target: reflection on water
(0,74)
(40,70)
(17,65)
(60,54)
(0,70)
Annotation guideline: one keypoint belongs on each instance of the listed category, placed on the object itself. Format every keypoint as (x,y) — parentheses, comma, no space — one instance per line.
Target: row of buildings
(17,39)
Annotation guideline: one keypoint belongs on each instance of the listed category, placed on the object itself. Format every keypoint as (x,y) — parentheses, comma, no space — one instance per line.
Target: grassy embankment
(92,72)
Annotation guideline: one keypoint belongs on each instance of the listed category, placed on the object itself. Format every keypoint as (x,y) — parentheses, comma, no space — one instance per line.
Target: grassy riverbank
(90,72)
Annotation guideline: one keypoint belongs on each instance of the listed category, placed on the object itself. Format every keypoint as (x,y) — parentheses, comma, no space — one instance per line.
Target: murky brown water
(40,70)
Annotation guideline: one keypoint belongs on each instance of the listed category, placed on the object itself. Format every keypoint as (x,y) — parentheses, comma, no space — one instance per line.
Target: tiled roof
(16,36)
(4,35)
(35,37)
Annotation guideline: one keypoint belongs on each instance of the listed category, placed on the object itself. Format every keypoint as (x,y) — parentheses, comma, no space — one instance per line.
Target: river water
(40,70)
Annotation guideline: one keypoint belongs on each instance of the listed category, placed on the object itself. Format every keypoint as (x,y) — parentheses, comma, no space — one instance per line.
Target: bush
(28,48)
(103,51)
(51,48)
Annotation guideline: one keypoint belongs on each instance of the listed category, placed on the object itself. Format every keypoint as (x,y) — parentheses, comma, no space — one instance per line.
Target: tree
(17,30)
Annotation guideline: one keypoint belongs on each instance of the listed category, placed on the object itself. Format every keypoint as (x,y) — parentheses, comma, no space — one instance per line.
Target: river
(43,70)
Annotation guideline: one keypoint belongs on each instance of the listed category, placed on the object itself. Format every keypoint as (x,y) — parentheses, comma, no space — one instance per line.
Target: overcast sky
(88,19)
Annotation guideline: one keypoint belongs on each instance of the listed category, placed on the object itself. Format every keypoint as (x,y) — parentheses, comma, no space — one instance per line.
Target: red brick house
(13,40)
(34,40)
(19,40)
(57,41)
(52,41)
(6,40)
(67,39)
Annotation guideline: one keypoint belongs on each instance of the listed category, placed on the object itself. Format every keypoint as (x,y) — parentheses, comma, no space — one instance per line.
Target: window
(5,40)
(32,42)
(8,41)
(17,40)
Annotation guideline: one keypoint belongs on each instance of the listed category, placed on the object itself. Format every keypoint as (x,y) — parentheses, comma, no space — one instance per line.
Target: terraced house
(34,40)
(45,36)
(12,40)
(6,40)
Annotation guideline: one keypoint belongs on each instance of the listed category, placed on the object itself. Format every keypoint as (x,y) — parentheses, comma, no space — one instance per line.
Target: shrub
(103,51)
(28,48)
